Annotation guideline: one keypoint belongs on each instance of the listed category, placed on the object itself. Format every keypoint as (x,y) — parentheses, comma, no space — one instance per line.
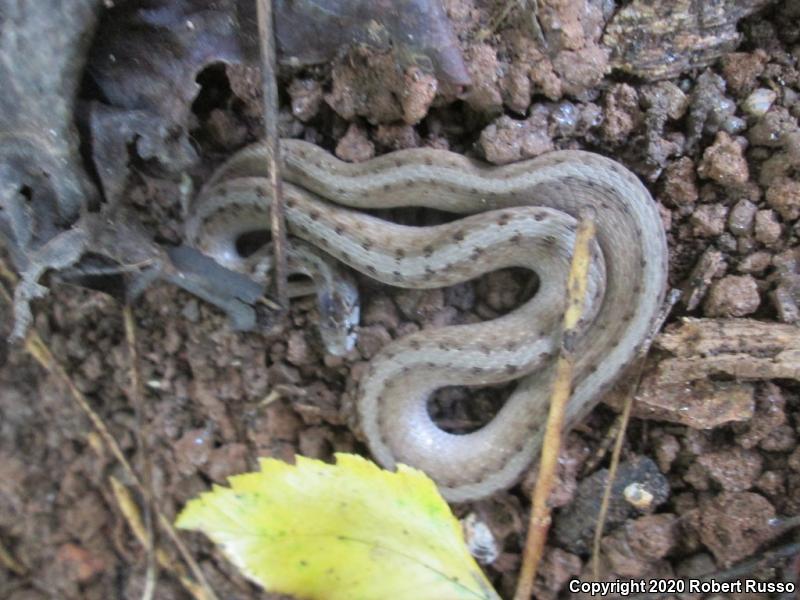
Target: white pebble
(759,102)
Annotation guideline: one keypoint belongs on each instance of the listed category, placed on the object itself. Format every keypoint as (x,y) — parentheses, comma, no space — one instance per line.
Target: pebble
(732,296)
(759,102)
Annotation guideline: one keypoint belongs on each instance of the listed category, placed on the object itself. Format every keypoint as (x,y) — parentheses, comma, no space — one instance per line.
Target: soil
(717,147)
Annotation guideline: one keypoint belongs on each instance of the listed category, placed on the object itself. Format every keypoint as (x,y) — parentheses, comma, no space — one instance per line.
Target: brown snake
(525,218)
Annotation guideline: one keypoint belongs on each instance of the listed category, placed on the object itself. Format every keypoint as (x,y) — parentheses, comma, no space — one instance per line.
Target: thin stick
(37,348)
(130,512)
(540,511)
(266,35)
(137,399)
(624,419)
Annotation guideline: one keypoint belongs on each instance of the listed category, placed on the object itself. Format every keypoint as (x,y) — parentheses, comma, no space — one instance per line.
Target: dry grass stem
(540,511)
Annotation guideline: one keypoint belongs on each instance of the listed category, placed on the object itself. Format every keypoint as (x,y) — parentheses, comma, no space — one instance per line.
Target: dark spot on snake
(476,370)
(511,368)
(443,346)
(458,236)
(340,191)
(428,161)
(539,216)
(516,238)
(427,251)
(476,253)
(366,244)
(290,203)
(503,219)
(485,349)
(510,346)
(429,271)
(398,276)
(405,370)
(372,269)
(592,368)
(260,192)
(399,254)
(644,263)
(339,230)
(414,344)
(345,256)
(314,215)
(386,187)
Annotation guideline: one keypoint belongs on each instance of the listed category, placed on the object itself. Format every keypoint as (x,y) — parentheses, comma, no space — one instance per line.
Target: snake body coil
(520,215)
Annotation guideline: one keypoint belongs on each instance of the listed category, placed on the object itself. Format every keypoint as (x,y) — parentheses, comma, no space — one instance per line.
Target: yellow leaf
(345,531)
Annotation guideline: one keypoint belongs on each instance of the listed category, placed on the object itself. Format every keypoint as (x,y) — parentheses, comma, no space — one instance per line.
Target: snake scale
(519,215)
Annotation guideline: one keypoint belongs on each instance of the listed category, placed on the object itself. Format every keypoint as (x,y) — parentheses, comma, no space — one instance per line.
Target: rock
(735,524)
(79,564)
(507,140)
(667,449)
(741,217)
(759,102)
(708,220)
(767,227)
(371,339)
(724,162)
(306,98)
(418,94)
(622,113)
(298,351)
(711,266)
(355,145)
(770,414)
(380,310)
(192,450)
(741,69)
(732,296)
(784,196)
(555,570)
(735,469)
(573,527)
(227,460)
(484,95)
(680,183)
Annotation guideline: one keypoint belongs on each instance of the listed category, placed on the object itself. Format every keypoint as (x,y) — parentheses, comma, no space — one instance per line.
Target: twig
(673,297)
(540,511)
(37,348)
(137,399)
(8,561)
(127,507)
(266,35)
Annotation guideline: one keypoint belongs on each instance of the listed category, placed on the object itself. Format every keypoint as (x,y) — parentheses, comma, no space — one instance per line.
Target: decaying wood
(740,348)
(659,40)
(706,379)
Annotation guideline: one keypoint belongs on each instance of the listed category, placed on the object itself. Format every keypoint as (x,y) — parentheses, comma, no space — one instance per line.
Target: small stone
(380,311)
(741,217)
(732,296)
(759,102)
(227,460)
(708,220)
(306,97)
(784,197)
(79,564)
(371,339)
(298,351)
(484,69)
(192,450)
(735,524)
(622,113)
(355,145)
(780,439)
(767,227)
(736,469)
(724,162)
(507,140)
(418,94)
(667,449)
(680,183)
(741,69)
(755,263)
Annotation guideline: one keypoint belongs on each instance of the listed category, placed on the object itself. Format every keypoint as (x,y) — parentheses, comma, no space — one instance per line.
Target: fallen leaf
(344,531)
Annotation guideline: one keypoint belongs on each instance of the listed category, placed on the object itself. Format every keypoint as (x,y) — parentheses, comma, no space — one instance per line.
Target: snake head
(339,312)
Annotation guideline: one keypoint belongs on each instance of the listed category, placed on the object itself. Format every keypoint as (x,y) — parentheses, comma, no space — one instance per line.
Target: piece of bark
(660,40)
